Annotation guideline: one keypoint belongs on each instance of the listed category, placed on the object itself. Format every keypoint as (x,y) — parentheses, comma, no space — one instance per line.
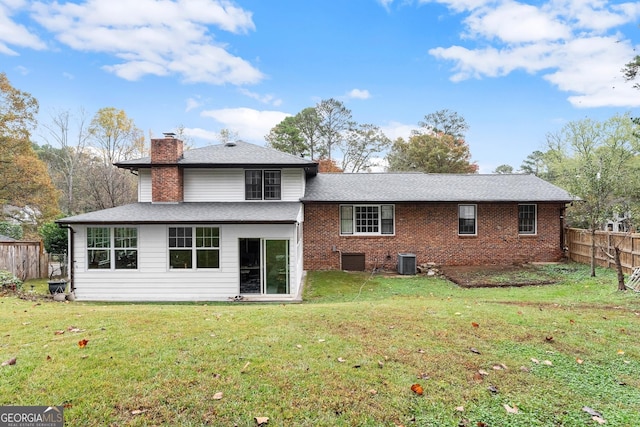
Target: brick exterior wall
(166,177)
(430,231)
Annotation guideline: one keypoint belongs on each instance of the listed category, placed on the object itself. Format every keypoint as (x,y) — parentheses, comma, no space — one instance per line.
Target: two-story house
(239,219)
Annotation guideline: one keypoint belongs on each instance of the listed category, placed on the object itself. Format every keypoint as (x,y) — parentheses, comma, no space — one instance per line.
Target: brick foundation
(430,231)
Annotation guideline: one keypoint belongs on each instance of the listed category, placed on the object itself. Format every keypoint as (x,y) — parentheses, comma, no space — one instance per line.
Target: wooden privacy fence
(25,259)
(579,247)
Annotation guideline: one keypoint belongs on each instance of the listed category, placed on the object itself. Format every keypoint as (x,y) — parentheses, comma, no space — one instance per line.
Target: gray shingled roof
(419,187)
(221,155)
(197,212)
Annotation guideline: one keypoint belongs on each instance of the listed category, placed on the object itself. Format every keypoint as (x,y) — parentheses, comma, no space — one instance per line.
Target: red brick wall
(430,231)
(166,176)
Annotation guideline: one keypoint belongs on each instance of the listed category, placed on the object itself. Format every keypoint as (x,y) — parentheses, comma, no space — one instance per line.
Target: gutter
(70,262)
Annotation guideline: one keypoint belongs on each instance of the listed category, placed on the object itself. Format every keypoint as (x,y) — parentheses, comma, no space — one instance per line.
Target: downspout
(70,262)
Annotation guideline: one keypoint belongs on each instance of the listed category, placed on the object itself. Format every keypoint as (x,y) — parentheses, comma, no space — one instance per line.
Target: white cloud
(199,133)
(251,125)
(359,94)
(570,43)
(155,37)
(395,130)
(193,103)
(13,34)
(265,99)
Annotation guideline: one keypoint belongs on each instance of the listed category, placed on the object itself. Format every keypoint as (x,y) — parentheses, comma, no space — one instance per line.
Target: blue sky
(515,70)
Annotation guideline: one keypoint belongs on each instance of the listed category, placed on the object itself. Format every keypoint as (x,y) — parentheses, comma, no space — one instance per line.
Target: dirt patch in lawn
(493,276)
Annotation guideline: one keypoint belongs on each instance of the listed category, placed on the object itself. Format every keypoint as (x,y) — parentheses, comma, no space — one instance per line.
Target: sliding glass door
(264,266)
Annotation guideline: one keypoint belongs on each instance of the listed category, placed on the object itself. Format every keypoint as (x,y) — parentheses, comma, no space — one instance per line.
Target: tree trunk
(621,286)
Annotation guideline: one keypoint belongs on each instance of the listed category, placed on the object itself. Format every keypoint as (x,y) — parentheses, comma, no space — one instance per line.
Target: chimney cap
(169,134)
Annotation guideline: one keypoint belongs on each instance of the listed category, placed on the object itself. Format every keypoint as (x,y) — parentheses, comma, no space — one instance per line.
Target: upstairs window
(262,185)
(367,219)
(527,219)
(467,219)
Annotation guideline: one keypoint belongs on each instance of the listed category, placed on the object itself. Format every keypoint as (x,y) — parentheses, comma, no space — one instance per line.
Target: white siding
(227,185)
(144,185)
(154,281)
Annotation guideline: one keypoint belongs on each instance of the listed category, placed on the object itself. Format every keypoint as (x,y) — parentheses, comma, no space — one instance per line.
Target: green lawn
(347,356)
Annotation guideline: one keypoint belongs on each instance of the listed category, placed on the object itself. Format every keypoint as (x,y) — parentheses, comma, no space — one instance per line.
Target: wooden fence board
(579,247)
(25,259)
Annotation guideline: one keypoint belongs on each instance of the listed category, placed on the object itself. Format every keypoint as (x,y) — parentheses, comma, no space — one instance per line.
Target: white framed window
(112,248)
(527,219)
(262,184)
(367,219)
(467,220)
(194,247)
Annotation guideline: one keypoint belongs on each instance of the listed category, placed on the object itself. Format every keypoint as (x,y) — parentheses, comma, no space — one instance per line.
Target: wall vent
(407,264)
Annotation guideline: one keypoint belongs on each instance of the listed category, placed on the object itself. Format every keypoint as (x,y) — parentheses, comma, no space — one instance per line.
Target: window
(466,219)
(367,219)
(259,185)
(527,219)
(123,250)
(182,250)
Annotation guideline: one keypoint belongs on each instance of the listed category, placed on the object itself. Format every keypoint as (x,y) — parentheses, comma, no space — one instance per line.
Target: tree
(504,169)
(430,154)
(443,122)
(327,165)
(25,184)
(335,120)
(535,164)
(226,136)
(286,137)
(631,69)
(308,122)
(592,161)
(361,143)
(65,161)
(54,238)
(113,137)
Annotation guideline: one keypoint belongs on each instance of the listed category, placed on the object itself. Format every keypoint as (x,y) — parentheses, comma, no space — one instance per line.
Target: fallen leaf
(341,360)
(524,369)
(579,361)
(48,357)
(474,350)
(548,338)
(534,360)
(599,420)
(59,332)
(372,391)
(460,408)
(572,321)
(483,372)
(423,376)
(620,352)
(82,343)
(547,362)
(478,376)
(475,325)
(500,367)
(421,351)
(591,411)
(261,420)
(510,410)
(298,346)
(11,361)
(380,364)
(492,388)
(244,368)
(138,411)
(321,340)
(417,389)
(481,424)
(217,396)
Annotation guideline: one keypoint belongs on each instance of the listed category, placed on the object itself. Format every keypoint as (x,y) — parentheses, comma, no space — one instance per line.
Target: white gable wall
(222,185)
(154,281)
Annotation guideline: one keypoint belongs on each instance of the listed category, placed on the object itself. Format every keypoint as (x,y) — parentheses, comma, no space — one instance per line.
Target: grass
(347,356)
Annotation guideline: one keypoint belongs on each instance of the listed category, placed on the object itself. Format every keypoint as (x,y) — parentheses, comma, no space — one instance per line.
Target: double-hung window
(367,219)
(262,184)
(187,244)
(112,248)
(527,219)
(467,219)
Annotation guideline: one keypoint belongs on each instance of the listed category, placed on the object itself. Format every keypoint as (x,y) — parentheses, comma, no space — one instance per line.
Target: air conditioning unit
(407,264)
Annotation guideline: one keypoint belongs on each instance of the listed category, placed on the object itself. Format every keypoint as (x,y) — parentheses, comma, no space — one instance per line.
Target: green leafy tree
(503,169)
(593,160)
(25,185)
(308,122)
(55,239)
(335,121)
(287,137)
(535,164)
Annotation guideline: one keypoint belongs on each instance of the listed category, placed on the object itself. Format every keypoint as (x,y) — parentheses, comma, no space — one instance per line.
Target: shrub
(12,230)
(9,280)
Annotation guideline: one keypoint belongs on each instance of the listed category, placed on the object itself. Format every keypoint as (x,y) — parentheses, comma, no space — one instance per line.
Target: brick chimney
(166,176)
